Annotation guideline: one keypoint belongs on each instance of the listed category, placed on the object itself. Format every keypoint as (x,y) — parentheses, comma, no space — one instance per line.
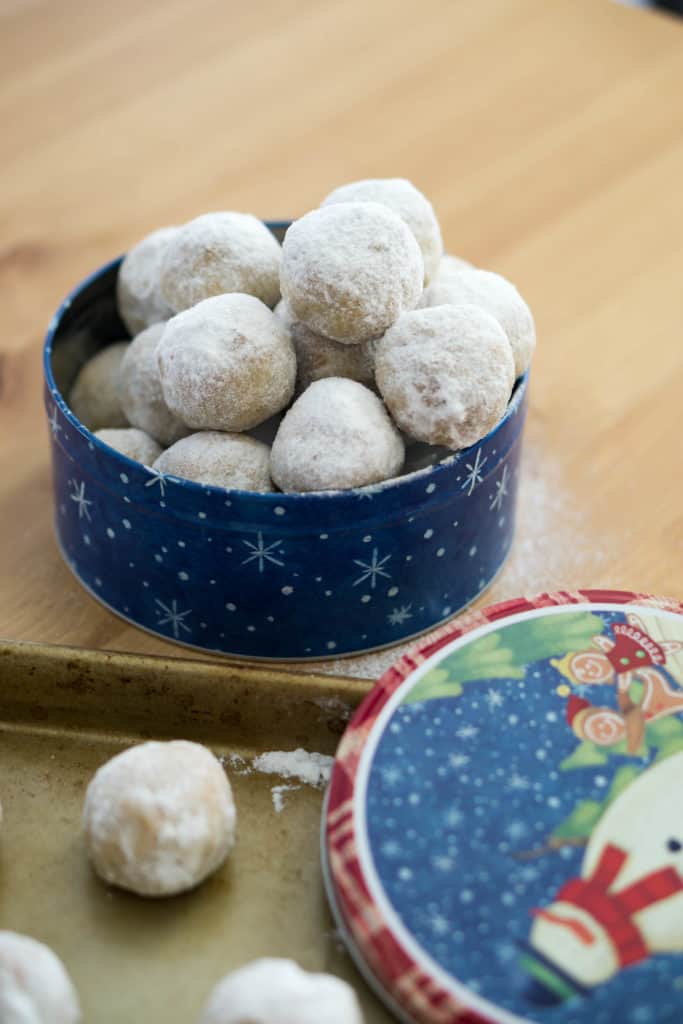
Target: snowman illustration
(631,655)
(627,904)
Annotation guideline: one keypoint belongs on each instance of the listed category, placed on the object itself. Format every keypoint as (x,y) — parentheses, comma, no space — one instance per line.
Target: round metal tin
(503,835)
(270,576)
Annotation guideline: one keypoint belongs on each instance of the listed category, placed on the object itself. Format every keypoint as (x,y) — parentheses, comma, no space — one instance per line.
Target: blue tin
(269,576)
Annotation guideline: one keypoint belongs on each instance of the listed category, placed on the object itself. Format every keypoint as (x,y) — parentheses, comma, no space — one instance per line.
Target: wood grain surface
(547,134)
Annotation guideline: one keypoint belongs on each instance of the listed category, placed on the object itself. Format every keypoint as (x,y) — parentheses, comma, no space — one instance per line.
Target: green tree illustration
(506,653)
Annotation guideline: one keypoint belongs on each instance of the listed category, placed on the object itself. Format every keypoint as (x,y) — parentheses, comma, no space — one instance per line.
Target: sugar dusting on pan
(307,768)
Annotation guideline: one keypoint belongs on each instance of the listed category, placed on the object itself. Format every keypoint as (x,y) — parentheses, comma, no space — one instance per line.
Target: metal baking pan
(63,712)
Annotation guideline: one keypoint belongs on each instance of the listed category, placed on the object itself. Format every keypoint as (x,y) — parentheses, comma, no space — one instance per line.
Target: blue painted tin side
(273,575)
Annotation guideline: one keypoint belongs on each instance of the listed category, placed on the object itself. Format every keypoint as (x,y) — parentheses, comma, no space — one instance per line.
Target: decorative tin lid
(504,827)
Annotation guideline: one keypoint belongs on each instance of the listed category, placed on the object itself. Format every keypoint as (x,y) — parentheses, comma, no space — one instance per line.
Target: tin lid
(503,834)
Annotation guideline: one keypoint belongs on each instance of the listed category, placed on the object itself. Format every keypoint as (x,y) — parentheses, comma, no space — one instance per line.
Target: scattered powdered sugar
(336,435)
(310,768)
(350,269)
(138,291)
(400,196)
(278,795)
(236,763)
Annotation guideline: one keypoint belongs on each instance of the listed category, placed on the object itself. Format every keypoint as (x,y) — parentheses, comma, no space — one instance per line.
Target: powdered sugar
(446,374)
(400,196)
(278,796)
(350,269)
(220,460)
(226,364)
(336,435)
(138,290)
(219,253)
(497,296)
(310,768)
(140,393)
(94,397)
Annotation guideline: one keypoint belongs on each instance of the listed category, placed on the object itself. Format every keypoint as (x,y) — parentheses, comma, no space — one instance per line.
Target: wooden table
(548,136)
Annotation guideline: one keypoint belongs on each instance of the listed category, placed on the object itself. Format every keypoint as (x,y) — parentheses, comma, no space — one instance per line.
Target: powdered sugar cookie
(497,296)
(218,253)
(220,460)
(159,818)
(226,364)
(138,293)
(401,196)
(336,435)
(134,443)
(94,397)
(446,374)
(140,392)
(318,357)
(272,991)
(350,269)
(34,985)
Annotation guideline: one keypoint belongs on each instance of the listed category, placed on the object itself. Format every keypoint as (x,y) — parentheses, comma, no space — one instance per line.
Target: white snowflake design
(467,732)
(55,425)
(262,554)
(79,497)
(170,614)
(517,781)
(494,699)
(372,569)
(474,471)
(458,760)
(157,478)
(501,490)
(400,615)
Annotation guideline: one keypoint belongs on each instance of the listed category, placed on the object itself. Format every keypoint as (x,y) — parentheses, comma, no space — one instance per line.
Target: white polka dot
(183,575)
(473,550)
(131,565)
(126,499)
(287,591)
(392,591)
(428,534)
(455,523)
(270,618)
(409,558)
(229,550)
(162,504)
(251,629)
(430,488)
(86,538)
(318,579)
(324,536)
(165,550)
(123,477)
(181,543)
(331,645)
(212,582)
(126,608)
(158,558)
(231,607)
(98,581)
(202,515)
(501,521)
(126,523)
(367,538)
(441,552)
(202,625)
(279,510)
(446,611)
(328,593)
(228,504)
(365,598)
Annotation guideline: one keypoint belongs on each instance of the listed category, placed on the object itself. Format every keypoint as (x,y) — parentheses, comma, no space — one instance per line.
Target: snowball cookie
(140,392)
(497,296)
(445,374)
(272,991)
(34,986)
(138,292)
(134,443)
(449,265)
(220,460)
(94,397)
(159,818)
(401,196)
(226,364)
(350,269)
(318,357)
(336,435)
(218,253)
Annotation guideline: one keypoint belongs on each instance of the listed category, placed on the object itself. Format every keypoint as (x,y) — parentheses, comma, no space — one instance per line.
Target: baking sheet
(63,712)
